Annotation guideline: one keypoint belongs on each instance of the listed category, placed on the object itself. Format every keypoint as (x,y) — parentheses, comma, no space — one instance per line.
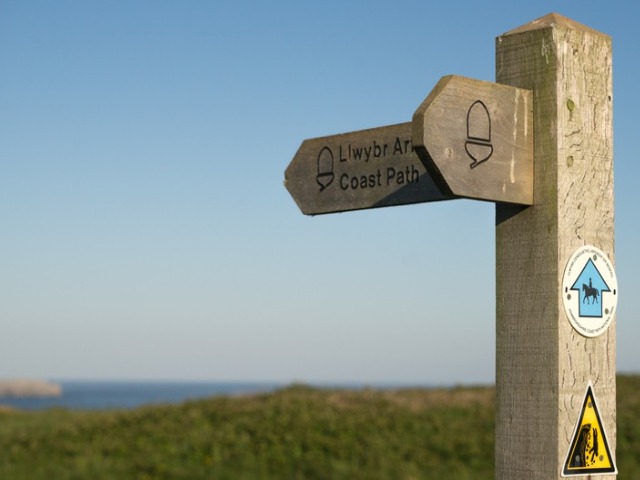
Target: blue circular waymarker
(590,280)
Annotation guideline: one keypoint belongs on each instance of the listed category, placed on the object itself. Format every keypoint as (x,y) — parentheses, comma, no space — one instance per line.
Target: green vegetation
(628,423)
(296,433)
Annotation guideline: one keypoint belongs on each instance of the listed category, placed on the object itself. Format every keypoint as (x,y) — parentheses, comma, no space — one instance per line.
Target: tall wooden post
(543,365)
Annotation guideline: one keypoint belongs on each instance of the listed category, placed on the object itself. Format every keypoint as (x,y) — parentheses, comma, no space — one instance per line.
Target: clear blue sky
(145,232)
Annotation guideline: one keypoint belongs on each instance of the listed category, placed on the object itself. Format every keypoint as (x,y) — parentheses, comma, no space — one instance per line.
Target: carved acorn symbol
(478,144)
(325,168)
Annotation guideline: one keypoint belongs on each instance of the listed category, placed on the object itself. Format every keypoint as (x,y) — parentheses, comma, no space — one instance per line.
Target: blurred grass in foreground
(295,433)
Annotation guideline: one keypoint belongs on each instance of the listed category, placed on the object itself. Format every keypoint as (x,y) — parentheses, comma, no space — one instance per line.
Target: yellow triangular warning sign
(589,452)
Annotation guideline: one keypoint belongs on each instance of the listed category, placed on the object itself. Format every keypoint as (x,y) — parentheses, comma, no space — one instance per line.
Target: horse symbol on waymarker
(590,292)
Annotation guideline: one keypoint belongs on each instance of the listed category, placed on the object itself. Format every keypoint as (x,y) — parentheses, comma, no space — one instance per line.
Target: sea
(99,395)
(102,395)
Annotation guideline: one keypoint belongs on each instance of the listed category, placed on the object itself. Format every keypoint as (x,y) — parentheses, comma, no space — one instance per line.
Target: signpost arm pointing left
(362,169)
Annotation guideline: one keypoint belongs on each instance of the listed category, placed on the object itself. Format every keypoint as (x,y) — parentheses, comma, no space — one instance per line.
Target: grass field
(295,433)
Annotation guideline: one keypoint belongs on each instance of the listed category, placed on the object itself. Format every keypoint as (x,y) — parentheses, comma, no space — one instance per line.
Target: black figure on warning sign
(586,451)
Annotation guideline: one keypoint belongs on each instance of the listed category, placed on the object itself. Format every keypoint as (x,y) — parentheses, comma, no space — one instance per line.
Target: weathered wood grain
(476,139)
(543,365)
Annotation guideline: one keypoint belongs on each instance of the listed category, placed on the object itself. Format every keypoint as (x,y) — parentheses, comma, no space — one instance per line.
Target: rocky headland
(29,388)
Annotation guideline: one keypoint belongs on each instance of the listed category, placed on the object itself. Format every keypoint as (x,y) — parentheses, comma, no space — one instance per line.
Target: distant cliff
(29,388)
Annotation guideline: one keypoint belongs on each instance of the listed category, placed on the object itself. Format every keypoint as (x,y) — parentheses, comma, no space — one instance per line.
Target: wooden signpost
(364,169)
(462,124)
(539,144)
(543,365)
(477,139)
